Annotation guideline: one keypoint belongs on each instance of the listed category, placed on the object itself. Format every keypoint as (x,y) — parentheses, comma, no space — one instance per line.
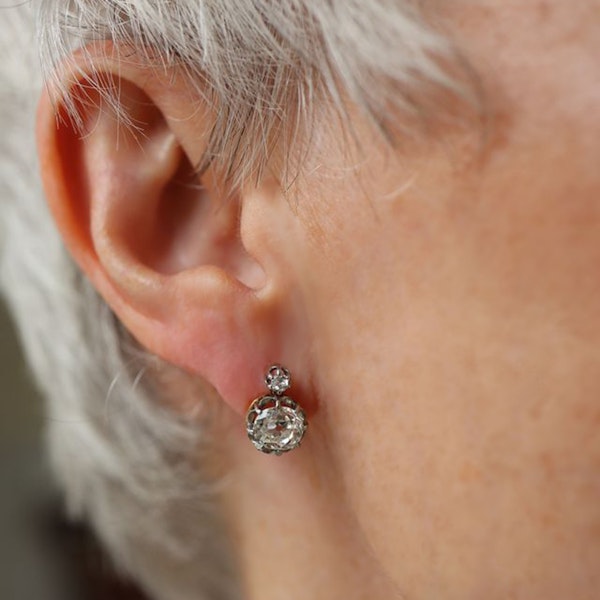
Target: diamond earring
(275,423)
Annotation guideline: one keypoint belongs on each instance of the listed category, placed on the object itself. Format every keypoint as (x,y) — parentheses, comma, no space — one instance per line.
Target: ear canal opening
(196,225)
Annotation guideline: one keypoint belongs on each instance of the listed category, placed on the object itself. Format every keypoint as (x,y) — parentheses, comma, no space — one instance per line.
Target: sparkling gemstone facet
(276,424)
(278,379)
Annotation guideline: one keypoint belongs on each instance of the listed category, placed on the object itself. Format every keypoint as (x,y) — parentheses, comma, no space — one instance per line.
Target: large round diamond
(276,424)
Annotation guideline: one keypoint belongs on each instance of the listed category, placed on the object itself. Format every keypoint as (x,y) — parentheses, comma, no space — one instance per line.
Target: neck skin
(295,536)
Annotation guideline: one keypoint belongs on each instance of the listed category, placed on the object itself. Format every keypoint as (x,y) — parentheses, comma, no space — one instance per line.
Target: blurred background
(42,555)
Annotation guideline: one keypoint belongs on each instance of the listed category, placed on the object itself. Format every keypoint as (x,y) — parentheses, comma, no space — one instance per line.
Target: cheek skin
(458,335)
(460,399)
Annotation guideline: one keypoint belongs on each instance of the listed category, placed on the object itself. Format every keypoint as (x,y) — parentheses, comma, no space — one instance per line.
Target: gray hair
(123,459)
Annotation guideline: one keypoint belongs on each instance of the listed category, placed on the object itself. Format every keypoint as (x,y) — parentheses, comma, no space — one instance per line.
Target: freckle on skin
(535,412)
(469,473)
(548,520)
(544,10)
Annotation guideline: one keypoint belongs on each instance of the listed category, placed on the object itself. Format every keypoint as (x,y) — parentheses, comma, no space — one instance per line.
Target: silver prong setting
(276,423)
(278,379)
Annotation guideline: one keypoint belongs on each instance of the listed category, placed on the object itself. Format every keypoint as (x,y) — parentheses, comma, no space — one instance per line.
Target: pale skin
(439,309)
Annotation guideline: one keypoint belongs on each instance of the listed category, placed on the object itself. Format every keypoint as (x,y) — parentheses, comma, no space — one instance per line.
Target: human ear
(178,261)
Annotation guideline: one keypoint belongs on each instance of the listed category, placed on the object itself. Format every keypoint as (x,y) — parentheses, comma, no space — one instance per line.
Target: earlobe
(163,248)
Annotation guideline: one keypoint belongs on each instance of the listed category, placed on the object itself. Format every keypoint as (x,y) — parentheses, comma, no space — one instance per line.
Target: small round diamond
(278,379)
(276,424)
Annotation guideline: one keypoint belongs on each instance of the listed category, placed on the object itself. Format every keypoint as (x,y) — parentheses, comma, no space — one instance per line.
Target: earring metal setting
(275,423)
